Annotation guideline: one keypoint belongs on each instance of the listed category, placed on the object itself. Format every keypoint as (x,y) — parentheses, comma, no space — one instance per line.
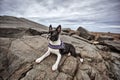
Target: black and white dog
(57,47)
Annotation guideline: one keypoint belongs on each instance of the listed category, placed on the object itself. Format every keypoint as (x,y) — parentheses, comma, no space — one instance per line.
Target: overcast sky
(94,15)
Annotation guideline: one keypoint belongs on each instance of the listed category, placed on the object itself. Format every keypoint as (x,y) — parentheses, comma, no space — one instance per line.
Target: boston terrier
(58,47)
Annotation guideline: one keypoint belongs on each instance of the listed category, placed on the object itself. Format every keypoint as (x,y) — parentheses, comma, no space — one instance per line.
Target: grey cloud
(67,12)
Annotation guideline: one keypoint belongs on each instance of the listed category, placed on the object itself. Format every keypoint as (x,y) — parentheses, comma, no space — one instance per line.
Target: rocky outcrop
(18,54)
(113,45)
(12,32)
(19,32)
(13,22)
(13,27)
(68,31)
(82,32)
(102,38)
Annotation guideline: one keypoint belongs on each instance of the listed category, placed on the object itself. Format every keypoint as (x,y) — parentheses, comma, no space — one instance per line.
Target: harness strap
(61,46)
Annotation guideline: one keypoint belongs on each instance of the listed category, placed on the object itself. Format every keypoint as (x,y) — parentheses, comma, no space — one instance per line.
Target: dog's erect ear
(50,28)
(58,29)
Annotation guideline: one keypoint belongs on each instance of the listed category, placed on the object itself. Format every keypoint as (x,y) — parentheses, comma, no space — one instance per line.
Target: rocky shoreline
(22,41)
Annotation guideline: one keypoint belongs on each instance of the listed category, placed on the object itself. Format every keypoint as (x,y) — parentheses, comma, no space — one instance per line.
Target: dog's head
(54,34)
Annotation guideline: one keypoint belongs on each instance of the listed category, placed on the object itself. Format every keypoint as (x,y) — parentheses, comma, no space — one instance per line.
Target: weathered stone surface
(5,42)
(90,51)
(22,52)
(35,31)
(115,66)
(63,76)
(19,32)
(82,75)
(72,63)
(38,75)
(102,38)
(3,63)
(113,45)
(13,27)
(4,49)
(21,71)
(105,55)
(13,22)
(42,71)
(67,30)
(12,32)
(116,70)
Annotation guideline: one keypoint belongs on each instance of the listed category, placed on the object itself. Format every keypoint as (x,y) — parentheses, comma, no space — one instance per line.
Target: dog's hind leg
(74,54)
(43,57)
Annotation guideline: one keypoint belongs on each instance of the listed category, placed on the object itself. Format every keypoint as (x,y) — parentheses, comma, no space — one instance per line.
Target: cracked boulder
(72,63)
(82,32)
(18,61)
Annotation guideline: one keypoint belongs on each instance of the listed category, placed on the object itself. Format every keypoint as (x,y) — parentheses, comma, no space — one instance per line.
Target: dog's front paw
(38,60)
(81,60)
(54,67)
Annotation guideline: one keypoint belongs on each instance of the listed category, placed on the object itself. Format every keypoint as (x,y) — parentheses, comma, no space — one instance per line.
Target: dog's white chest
(54,51)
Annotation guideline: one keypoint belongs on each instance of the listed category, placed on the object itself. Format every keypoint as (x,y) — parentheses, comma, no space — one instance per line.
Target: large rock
(67,30)
(82,75)
(102,38)
(84,33)
(14,22)
(13,27)
(113,45)
(114,67)
(12,32)
(63,76)
(42,71)
(90,51)
(23,51)
(3,63)
(5,42)
(19,32)
(72,63)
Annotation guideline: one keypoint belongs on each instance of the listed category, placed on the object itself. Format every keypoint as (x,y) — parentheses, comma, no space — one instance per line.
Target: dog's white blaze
(54,51)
